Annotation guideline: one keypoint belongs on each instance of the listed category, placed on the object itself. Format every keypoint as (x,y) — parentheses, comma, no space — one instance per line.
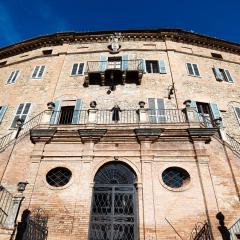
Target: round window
(58,177)
(175,177)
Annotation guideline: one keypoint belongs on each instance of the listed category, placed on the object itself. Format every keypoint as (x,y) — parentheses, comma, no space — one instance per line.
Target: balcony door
(113,209)
(114,63)
(205,114)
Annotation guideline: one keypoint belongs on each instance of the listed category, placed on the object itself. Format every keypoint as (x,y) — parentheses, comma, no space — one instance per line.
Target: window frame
(193,70)
(18,74)
(236,114)
(20,115)
(81,74)
(38,78)
(158,72)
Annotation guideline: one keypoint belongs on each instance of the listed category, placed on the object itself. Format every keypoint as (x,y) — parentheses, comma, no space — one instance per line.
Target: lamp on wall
(171,90)
(19,124)
(21,186)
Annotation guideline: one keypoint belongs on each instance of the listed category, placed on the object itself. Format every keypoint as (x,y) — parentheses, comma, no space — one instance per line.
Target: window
(3,63)
(58,177)
(47,52)
(3,109)
(22,112)
(114,63)
(217,55)
(38,72)
(156,110)
(222,75)
(13,77)
(175,177)
(152,66)
(193,70)
(77,69)
(66,115)
(237,111)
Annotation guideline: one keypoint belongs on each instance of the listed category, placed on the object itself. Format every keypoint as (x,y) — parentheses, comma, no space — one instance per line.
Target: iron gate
(201,231)
(113,214)
(36,228)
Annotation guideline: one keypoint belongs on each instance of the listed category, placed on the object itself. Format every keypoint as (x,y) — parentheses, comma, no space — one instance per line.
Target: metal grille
(175,177)
(201,231)
(113,215)
(58,177)
(36,226)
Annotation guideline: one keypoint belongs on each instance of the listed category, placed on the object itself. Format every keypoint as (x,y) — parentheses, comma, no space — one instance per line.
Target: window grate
(58,177)
(175,177)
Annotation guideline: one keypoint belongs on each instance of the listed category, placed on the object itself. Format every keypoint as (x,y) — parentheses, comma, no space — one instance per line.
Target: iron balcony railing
(123,65)
(10,137)
(6,201)
(125,116)
(235,230)
(234,143)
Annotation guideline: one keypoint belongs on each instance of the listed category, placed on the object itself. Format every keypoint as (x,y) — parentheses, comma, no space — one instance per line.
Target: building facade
(131,135)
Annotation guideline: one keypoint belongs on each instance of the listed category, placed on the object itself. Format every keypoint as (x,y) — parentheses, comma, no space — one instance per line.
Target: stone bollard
(46,117)
(143,115)
(92,115)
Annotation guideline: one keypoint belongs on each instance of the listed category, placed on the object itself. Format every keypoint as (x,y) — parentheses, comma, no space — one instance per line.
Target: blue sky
(24,19)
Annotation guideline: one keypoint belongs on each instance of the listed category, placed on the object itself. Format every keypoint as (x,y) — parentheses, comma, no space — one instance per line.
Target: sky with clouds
(24,19)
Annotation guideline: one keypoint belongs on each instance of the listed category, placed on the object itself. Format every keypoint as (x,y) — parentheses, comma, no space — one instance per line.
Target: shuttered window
(77,69)
(237,111)
(192,69)
(13,77)
(38,72)
(156,110)
(22,112)
(3,109)
(222,75)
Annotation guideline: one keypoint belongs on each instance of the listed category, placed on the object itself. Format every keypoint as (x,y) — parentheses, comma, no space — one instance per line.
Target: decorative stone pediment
(148,134)
(42,135)
(91,134)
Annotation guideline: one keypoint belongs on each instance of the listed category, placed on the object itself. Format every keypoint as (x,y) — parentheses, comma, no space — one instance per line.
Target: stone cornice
(176,35)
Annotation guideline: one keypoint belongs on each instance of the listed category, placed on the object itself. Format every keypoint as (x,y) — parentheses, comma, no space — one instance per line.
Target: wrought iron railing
(124,116)
(235,230)
(9,138)
(201,231)
(6,139)
(234,143)
(6,200)
(124,65)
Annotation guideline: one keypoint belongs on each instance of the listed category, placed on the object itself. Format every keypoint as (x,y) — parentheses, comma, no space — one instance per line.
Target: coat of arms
(115,39)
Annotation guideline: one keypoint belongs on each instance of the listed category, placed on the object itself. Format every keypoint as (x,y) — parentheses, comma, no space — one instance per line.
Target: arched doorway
(113,209)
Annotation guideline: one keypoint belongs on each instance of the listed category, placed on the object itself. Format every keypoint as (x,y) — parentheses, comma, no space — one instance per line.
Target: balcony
(115,72)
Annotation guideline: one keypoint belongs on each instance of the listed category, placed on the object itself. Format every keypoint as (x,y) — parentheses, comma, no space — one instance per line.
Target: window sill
(194,76)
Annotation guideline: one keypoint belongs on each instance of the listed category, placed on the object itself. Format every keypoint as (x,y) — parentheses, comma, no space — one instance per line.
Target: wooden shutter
(35,72)
(237,112)
(228,75)
(196,71)
(143,65)
(40,73)
(161,117)
(102,63)
(10,77)
(125,62)
(215,111)
(218,74)
(74,69)
(55,114)
(162,67)
(152,111)
(2,112)
(190,69)
(80,68)
(194,106)
(76,113)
